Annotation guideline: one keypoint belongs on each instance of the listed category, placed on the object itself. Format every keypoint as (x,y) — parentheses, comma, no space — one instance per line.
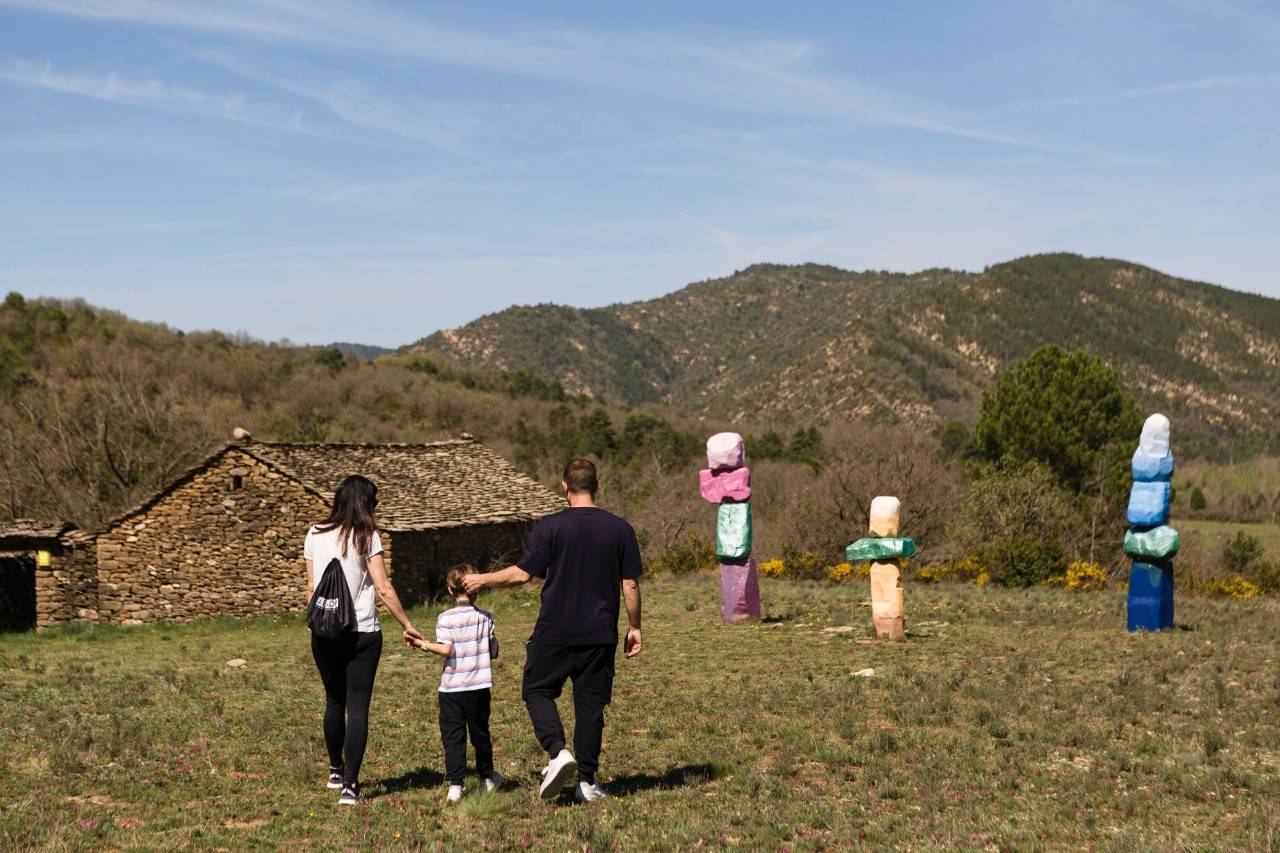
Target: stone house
(225,538)
(44,568)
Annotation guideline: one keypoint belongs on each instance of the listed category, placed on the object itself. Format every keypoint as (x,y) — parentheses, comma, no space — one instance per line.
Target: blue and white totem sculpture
(1150,541)
(727,483)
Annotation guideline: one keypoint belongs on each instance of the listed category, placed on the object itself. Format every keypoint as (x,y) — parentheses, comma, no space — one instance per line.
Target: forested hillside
(100,410)
(775,343)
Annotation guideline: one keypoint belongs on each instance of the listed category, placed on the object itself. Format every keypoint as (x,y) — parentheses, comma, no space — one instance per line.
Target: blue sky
(327,170)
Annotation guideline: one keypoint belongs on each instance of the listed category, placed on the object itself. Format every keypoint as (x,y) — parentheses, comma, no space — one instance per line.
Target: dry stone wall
(421,558)
(67,589)
(227,542)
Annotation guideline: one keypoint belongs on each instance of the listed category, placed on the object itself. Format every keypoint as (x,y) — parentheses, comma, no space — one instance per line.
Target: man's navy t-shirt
(582,554)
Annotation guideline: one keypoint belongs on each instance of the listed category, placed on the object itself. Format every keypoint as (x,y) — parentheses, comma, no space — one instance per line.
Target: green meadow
(1009,719)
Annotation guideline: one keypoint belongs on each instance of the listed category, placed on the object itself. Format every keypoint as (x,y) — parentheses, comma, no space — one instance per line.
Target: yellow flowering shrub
(1081,576)
(966,570)
(841,572)
(774,568)
(1231,585)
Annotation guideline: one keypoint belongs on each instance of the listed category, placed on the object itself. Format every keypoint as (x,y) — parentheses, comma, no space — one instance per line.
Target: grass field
(1008,719)
(1210,536)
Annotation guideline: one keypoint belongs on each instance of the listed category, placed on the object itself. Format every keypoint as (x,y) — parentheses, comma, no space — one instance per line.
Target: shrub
(963,570)
(1265,574)
(1081,576)
(1024,560)
(1230,585)
(774,568)
(804,565)
(842,572)
(1241,552)
(690,555)
(1198,502)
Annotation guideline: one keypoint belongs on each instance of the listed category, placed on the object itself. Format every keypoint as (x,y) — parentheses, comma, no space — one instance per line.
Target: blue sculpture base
(1150,596)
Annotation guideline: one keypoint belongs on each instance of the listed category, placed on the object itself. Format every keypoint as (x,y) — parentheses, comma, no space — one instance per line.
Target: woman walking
(348,662)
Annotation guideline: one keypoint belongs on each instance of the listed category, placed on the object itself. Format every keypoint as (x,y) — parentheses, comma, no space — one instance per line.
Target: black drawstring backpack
(331,613)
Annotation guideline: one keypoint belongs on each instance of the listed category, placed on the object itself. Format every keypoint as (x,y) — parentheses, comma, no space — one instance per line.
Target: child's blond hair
(453,578)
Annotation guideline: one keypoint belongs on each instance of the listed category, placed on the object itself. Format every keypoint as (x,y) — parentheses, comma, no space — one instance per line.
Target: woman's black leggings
(347,665)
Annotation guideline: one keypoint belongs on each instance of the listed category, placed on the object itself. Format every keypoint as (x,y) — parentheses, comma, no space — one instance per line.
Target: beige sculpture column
(887,613)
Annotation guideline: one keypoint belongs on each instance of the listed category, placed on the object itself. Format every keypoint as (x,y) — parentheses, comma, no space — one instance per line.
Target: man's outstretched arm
(510,576)
(631,596)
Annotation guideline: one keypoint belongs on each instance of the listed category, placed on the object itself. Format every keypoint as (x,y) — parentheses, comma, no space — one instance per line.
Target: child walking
(466,640)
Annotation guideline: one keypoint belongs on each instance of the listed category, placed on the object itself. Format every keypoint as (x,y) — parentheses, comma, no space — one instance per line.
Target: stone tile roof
(420,486)
(26,528)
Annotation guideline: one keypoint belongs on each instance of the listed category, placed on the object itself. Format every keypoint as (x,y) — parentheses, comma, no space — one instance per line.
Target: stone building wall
(422,558)
(67,589)
(226,542)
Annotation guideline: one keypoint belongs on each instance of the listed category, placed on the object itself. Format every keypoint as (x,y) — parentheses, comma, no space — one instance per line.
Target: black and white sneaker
(351,796)
(335,778)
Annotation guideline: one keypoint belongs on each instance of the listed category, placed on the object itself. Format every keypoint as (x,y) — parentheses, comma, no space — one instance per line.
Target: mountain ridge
(780,342)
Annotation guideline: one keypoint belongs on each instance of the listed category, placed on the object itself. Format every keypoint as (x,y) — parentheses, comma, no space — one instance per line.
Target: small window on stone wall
(237,481)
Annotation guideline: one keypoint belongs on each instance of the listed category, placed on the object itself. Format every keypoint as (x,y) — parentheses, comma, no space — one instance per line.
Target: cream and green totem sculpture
(884,549)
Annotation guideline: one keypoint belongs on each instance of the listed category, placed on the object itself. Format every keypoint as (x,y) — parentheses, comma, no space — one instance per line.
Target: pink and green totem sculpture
(884,549)
(727,483)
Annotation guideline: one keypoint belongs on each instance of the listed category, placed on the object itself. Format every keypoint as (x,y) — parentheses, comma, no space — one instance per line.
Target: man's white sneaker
(350,796)
(492,782)
(589,792)
(454,795)
(557,774)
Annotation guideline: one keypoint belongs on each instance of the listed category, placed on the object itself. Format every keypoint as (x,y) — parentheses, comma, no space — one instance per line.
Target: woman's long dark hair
(352,514)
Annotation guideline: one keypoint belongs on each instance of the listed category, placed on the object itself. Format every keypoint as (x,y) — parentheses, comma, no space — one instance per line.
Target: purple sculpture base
(739,592)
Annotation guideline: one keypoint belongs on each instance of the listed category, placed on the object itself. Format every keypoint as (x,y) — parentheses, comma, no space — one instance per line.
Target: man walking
(584,556)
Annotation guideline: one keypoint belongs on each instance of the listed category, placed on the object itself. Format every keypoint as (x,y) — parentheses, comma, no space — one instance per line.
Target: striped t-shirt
(469,630)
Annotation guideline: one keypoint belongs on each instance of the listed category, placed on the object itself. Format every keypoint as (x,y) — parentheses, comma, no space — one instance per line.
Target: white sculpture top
(884,516)
(1155,436)
(725,450)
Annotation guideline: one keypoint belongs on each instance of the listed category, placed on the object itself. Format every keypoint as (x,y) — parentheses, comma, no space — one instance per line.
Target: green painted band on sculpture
(875,548)
(1158,543)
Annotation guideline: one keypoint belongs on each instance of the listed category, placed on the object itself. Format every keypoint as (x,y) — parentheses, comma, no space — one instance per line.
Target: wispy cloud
(359,103)
(1223,81)
(771,76)
(114,88)
(1176,87)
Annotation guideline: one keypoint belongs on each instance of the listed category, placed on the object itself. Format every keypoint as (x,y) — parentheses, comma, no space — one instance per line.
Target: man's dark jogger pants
(463,712)
(546,669)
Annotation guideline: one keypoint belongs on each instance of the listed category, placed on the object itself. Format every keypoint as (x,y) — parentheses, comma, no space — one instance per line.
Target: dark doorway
(17,593)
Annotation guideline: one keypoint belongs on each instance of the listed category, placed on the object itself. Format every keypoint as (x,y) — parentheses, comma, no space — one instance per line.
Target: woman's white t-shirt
(321,547)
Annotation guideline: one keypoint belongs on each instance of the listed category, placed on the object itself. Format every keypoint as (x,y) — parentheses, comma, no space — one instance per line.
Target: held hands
(412,636)
(633,643)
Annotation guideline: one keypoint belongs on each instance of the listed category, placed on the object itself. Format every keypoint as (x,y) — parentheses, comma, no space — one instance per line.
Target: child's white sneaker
(589,792)
(492,782)
(454,795)
(557,774)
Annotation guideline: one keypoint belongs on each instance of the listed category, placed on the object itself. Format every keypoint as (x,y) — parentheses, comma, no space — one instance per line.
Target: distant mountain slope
(781,342)
(366,351)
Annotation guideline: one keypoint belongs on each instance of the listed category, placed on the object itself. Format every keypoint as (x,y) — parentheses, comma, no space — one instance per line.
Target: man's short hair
(453,578)
(580,476)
